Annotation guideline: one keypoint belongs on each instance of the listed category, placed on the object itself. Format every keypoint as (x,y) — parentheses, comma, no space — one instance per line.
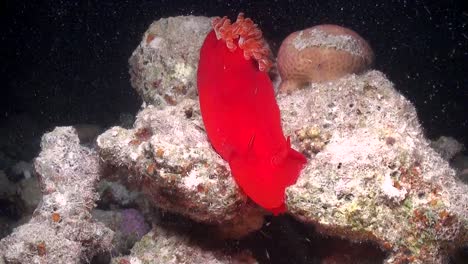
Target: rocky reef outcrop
(61,229)
(372,175)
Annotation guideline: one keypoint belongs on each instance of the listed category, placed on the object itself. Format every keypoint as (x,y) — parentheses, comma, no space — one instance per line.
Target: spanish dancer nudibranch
(240,113)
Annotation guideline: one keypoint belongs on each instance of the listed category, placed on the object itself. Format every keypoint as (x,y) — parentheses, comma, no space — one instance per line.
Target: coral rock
(163,67)
(321,53)
(61,229)
(163,245)
(169,159)
(250,220)
(376,177)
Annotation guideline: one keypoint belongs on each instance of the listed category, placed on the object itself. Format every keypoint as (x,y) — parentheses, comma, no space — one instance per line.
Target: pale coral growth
(249,38)
(391,192)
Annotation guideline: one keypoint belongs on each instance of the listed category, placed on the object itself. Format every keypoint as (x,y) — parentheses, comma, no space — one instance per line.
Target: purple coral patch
(133,223)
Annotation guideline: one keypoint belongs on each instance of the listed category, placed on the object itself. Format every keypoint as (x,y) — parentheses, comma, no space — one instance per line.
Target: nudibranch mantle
(240,113)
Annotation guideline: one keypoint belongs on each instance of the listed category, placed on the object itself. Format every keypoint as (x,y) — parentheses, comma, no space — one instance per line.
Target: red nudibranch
(240,113)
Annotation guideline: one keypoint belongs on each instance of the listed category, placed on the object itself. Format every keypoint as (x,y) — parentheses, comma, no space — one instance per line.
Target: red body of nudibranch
(240,113)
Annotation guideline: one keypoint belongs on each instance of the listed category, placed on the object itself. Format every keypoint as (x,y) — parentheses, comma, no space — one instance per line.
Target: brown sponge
(321,53)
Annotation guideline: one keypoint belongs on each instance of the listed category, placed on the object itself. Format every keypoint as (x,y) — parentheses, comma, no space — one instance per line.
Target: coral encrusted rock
(168,157)
(163,68)
(62,229)
(372,174)
(163,245)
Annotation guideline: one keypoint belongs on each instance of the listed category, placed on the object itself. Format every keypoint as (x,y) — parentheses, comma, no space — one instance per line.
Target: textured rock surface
(61,229)
(163,245)
(168,157)
(116,194)
(372,174)
(163,67)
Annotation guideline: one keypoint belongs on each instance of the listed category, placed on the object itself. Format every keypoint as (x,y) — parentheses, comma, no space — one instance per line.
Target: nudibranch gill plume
(240,113)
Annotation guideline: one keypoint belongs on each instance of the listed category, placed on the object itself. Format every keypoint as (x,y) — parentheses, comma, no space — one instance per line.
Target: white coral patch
(182,72)
(61,199)
(192,180)
(156,43)
(135,260)
(391,192)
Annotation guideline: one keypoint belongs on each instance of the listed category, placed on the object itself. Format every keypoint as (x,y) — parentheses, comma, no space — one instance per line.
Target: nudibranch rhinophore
(240,113)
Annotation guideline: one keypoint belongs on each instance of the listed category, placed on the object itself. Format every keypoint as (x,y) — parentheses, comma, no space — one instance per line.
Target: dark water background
(65,62)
